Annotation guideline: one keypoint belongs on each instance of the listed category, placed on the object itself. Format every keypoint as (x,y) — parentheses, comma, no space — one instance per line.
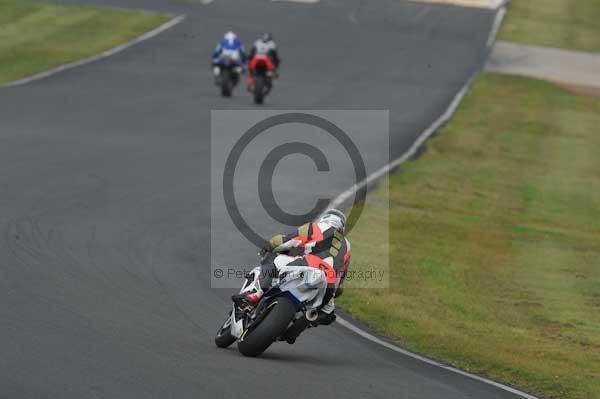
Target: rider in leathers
(321,245)
(232,47)
(265,45)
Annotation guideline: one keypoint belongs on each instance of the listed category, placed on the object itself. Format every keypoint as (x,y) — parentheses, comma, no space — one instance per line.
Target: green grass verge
(495,241)
(572,24)
(37,36)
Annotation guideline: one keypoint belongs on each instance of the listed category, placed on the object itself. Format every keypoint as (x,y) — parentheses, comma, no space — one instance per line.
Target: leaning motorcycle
(228,73)
(260,79)
(286,309)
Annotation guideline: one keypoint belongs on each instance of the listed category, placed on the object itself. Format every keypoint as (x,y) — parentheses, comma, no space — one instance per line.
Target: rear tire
(223,339)
(226,83)
(257,340)
(259,90)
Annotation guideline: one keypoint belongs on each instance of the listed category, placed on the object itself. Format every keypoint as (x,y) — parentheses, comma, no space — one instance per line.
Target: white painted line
(169,24)
(496,27)
(340,199)
(344,196)
(395,348)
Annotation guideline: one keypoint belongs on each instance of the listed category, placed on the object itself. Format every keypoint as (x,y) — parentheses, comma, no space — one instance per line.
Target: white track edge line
(500,14)
(340,199)
(405,352)
(107,53)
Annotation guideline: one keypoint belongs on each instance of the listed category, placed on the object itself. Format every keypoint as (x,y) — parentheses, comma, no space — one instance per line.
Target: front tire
(223,339)
(256,341)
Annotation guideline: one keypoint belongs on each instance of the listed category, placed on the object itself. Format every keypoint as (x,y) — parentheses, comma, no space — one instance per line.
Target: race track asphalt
(105,214)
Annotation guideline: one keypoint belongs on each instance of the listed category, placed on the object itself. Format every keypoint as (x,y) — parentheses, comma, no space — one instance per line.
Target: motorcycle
(228,73)
(260,78)
(285,310)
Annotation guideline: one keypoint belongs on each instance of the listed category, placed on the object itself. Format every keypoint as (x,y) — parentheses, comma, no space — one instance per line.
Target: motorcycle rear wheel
(259,90)
(226,83)
(255,341)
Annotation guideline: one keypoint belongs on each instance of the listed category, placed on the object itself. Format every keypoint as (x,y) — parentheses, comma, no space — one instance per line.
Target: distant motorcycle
(260,79)
(228,73)
(285,310)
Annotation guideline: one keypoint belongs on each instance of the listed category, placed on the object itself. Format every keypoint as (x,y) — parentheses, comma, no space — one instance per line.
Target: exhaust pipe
(312,314)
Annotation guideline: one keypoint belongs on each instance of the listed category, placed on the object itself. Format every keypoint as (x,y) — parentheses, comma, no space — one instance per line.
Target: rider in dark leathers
(265,45)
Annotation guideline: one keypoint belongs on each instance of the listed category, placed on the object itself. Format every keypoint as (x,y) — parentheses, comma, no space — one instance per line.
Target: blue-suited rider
(229,49)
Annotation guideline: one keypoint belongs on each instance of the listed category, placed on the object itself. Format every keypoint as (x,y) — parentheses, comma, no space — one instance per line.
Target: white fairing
(306,284)
(233,54)
(253,284)
(237,326)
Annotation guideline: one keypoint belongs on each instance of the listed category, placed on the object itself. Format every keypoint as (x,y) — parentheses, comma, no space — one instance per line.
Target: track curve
(104,212)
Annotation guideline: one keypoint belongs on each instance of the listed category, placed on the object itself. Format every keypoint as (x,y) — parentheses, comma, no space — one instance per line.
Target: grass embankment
(495,241)
(571,24)
(36,36)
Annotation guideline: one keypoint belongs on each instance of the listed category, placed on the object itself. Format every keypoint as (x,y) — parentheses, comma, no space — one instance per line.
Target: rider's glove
(263,251)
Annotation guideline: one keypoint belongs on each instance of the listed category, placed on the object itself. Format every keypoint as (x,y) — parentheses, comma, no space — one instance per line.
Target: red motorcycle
(260,77)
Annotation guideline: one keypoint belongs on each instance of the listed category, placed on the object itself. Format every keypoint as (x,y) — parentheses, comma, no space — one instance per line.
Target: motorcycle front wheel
(256,340)
(224,338)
